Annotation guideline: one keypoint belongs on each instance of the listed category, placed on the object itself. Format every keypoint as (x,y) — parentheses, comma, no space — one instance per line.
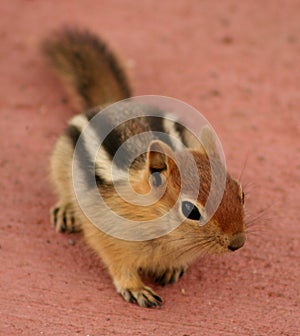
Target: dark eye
(156,180)
(190,211)
(243,197)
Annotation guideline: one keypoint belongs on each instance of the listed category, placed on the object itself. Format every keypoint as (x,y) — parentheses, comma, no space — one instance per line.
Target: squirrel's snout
(237,241)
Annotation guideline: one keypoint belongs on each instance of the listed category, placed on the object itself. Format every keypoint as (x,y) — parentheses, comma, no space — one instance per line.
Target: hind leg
(62,214)
(63,218)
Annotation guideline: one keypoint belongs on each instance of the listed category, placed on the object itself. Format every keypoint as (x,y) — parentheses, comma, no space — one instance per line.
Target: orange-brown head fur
(176,178)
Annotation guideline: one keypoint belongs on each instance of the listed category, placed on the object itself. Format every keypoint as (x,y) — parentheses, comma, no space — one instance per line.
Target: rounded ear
(208,141)
(158,156)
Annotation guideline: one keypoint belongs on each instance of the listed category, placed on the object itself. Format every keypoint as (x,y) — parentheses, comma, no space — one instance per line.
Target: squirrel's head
(186,195)
(204,198)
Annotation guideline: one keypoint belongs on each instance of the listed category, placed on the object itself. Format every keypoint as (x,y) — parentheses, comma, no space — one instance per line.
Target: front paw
(144,297)
(169,276)
(63,219)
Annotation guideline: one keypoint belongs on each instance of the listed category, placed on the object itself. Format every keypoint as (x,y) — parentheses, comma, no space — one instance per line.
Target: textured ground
(235,61)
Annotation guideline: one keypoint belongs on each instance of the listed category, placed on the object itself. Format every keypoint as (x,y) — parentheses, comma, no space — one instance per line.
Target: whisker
(256,233)
(249,185)
(244,166)
(250,220)
(261,217)
(200,249)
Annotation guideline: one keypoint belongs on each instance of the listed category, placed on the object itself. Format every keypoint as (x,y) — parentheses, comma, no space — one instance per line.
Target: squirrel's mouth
(231,244)
(237,241)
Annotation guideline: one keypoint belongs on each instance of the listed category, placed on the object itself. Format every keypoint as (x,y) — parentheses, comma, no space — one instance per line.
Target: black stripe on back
(157,125)
(180,129)
(112,142)
(85,162)
(73,133)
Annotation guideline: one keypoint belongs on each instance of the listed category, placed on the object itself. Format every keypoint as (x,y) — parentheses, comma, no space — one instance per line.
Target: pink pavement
(238,63)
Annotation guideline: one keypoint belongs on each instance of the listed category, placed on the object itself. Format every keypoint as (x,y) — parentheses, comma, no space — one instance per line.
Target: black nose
(237,241)
(233,248)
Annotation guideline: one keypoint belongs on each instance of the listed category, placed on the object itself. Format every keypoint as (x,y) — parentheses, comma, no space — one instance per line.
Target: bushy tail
(87,67)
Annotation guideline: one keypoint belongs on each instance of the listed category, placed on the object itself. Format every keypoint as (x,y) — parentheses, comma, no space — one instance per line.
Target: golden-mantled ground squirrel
(95,77)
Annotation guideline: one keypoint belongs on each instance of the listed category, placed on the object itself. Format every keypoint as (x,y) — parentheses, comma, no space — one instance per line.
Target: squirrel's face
(179,174)
(181,185)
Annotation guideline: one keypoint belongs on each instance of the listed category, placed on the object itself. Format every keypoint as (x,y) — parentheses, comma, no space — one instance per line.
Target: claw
(170,276)
(144,297)
(62,218)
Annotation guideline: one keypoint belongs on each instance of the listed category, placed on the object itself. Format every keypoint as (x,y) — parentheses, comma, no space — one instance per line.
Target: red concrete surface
(238,62)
